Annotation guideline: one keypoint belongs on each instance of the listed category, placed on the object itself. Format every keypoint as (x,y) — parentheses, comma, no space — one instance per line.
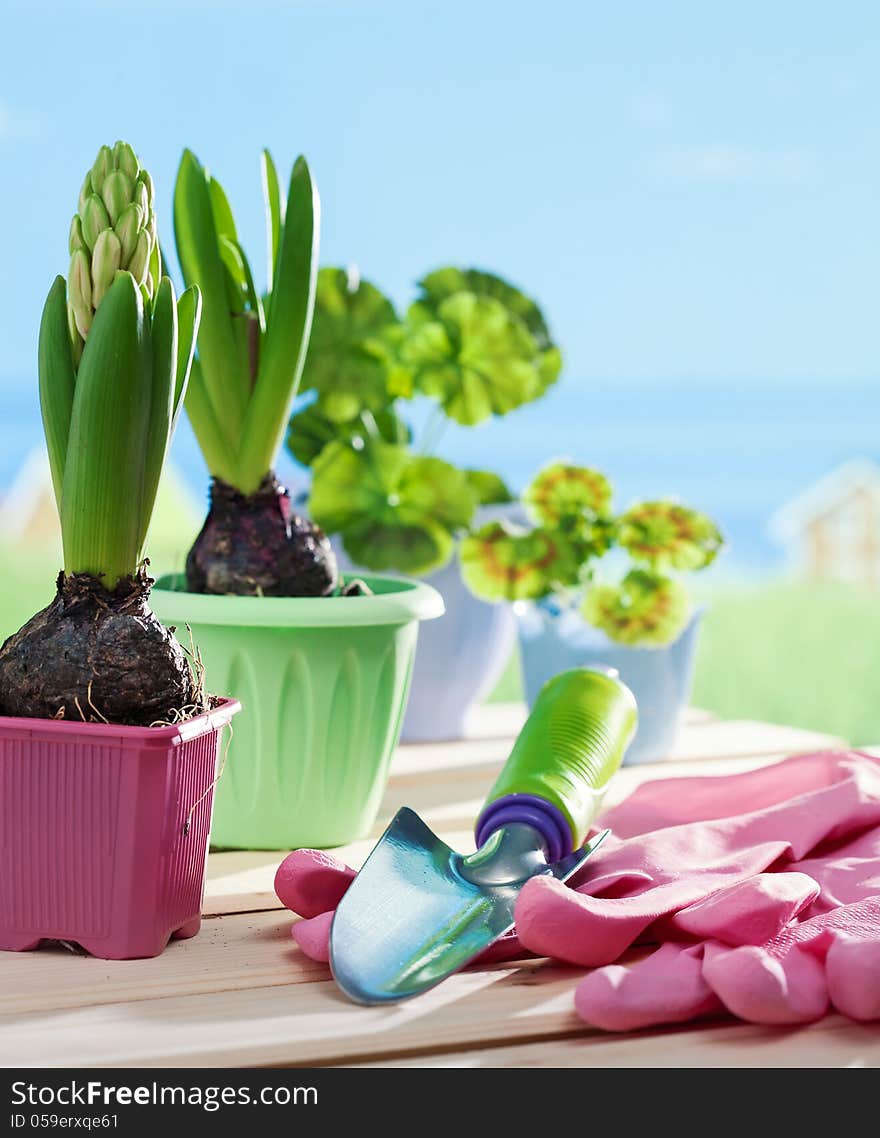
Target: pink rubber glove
(703,866)
(783,901)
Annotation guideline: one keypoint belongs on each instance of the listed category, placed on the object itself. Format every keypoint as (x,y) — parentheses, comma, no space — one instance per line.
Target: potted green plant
(322,664)
(108,742)
(474,346)
(639,619)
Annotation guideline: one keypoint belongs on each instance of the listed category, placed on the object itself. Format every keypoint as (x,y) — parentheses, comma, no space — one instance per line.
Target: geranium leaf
(311,430)
(369,491)
(476,358)
(443,283)
(343,365)
(489,488)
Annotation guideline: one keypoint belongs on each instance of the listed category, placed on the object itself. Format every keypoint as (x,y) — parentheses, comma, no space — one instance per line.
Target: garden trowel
(418,911)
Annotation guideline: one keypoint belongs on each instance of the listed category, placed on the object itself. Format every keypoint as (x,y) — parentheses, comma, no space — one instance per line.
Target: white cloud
(727,163)
(17,122)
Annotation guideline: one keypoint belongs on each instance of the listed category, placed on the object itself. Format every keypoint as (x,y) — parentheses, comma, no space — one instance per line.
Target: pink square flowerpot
(104,831)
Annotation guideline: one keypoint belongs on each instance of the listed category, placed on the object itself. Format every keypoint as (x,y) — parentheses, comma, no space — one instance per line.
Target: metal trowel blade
(414,914)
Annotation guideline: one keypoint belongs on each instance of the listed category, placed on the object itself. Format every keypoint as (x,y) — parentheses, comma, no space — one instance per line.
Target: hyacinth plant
(556,560)
(472,344)
(251,349)
(115,350)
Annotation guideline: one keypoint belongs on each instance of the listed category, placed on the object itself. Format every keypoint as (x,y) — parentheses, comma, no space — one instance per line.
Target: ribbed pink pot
(104,831)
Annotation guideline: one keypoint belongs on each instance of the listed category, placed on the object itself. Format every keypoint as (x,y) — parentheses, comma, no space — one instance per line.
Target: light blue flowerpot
(660,678)
(460,656)
(459,660)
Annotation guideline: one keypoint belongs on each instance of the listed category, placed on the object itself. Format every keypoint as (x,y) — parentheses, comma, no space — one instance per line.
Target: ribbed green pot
(323,683)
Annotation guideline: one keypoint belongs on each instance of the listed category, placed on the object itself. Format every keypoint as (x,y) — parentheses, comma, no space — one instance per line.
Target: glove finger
(852,969)
(761,988)
(310,882)
(313,936)
(666,987)
(752,911)
(553,920)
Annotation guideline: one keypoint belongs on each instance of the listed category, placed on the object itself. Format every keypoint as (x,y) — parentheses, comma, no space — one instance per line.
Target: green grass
(803,654)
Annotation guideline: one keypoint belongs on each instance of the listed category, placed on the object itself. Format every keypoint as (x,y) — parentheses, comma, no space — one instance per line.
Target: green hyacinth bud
(106,260)
(125,159)
(140,259)
(75,240)
(114,229)
(79,291)
(116,193)
(86,192)
(144,177)
(141,195)
(127,227)
(95,219)
(102,166)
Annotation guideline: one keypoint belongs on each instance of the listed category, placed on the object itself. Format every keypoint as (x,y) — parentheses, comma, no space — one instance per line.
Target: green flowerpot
(323,683)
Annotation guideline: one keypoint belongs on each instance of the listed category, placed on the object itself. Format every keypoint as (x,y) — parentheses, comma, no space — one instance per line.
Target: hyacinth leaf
(476,358)
(164,343)
(345,364)
(393,509)
(646,608)
(189,313)
(274,204)
(154,273)
(218,455)
(199,254)
(102,493)
(235,276)
(561,491)
(252,297)
(666,535)
(57,380)
(488,488)
(223,219)
(311,430)
(287,332)
(500,562)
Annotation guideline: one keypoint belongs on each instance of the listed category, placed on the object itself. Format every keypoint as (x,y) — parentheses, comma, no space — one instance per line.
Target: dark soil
(255,545)
(97,656)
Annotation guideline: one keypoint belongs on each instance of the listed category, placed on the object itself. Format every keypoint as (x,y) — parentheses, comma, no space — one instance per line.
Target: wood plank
(300,1023)
(832,1042)
(233,953)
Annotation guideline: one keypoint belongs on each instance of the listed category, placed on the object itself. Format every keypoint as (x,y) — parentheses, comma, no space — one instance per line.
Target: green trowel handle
(570,746)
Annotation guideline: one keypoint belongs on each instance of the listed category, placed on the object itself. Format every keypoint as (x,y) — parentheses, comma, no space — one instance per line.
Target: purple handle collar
(536,812)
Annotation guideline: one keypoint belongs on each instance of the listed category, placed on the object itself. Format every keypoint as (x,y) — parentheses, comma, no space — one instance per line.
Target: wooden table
(242,994)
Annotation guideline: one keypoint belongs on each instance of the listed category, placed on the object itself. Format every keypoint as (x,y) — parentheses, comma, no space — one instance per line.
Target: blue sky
(690,190)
